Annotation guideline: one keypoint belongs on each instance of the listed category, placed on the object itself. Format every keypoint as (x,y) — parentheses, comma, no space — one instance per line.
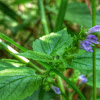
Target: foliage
(81,17)
(84,61)
(17,79)
(50,43)
(53,49)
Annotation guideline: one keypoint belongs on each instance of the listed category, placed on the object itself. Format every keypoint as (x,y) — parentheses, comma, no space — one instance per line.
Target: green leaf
(4,64)
(69,83)
(50,43)
(75,13)
(12,62)
(9,12)
(12,42)
(90,79)
(37,56)
(18,83)
(47,96)
(84,61)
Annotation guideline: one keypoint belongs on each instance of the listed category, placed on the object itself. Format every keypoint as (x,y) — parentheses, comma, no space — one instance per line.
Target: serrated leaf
(18,83)
(84,61)
(50,43)
(37,56)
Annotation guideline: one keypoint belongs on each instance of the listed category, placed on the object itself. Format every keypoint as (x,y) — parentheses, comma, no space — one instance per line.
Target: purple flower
(92,38)
(56,89)
(83,79)
(86,45)
(89,42)
(94,29)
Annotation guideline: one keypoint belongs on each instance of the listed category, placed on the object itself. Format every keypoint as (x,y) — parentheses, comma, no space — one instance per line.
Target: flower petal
(94,29)
(92,38)
(83,79)
(86,45)
(56,89)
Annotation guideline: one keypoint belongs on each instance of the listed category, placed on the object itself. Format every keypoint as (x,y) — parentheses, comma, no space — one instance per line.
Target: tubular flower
(83,79)
(94,29)
(56,89)
(92,38)
(89,42)
(86,45)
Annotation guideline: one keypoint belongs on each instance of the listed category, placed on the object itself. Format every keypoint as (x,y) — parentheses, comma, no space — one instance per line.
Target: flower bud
(83,79)
(56,89)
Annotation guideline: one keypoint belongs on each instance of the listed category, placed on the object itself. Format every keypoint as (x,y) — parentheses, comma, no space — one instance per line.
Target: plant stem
(43,16)
(61,15)
(60,84)
(94,49)
(23,59)
(58,26)
(35,67)
(69,83)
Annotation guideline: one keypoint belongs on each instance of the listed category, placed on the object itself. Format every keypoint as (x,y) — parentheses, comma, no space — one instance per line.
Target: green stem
(69,83)
(61,15)
(58,26)
(94,50)
(43,16)
(93,12)
(23,59)
(60,84)
(35,67)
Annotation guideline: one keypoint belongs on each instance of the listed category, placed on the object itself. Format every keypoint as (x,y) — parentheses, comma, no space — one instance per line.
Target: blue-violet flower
(94,29)
(56,89)
(83,79)
(92,38)
(86,45)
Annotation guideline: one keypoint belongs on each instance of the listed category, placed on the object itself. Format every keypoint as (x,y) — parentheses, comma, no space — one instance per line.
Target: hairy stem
(43,16)
(23,59)
(94,49)
(61,15)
